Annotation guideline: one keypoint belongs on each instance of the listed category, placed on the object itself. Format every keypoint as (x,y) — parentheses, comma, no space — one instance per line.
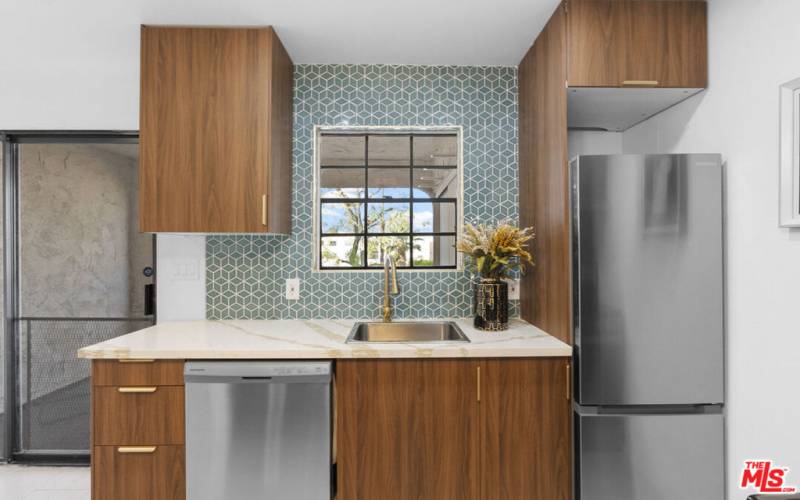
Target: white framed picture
(790,154)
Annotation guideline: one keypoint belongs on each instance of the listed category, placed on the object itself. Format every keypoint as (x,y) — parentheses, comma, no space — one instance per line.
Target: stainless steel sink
(407,331)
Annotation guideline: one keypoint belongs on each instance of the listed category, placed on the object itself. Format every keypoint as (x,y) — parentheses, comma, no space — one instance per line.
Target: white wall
(754,47)
(181,278)
(593,142)
(75,64)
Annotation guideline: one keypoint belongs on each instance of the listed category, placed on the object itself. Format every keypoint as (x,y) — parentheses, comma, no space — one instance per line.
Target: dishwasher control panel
(257,369)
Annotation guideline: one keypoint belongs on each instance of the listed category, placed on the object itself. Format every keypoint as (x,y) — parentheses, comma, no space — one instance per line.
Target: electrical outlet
(513,289)
(293,289)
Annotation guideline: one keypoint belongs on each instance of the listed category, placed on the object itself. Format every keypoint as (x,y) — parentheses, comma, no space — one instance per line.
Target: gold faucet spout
(389,289)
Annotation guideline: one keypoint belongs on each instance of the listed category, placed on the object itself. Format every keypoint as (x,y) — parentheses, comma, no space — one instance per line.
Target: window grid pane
(395,235)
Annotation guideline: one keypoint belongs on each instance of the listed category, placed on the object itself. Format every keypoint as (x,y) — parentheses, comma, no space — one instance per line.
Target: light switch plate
(293,289)
(186,269)
(513,289)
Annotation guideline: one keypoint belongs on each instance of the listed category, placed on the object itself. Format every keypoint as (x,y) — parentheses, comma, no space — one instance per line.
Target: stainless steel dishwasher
(258,430)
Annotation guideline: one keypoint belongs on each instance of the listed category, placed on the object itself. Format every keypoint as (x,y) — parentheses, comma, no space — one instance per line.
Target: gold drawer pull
(479,384)
(136,449)
(136,360)
(640,83)
(263,210)
(137,390)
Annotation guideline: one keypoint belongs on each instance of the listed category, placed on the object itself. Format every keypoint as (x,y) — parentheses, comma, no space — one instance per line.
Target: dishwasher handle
(259,372)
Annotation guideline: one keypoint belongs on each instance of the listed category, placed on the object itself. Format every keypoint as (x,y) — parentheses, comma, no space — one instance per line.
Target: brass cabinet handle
(479,384)
(263,210)
(569,382)
(136,360)
(137,390)
(136,449)
(640,83)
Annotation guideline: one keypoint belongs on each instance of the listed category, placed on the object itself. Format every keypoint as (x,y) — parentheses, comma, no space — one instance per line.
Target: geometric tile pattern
(246,274)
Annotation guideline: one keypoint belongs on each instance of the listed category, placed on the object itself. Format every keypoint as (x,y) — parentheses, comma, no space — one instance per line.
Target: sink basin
(407,331)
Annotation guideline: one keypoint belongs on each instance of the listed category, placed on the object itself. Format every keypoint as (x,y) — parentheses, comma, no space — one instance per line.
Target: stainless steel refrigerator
(647,270)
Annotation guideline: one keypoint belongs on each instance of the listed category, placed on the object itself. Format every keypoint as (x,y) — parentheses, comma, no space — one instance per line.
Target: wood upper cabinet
(595,43)
(655,43)
(544,180)
(439,429)
(215,131)
(666,42)
(590,43)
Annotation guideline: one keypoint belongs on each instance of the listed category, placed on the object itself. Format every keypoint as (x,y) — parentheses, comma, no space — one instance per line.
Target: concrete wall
(78,232)
(81,254)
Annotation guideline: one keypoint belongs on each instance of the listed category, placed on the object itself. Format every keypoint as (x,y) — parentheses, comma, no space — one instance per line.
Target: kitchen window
(387,191)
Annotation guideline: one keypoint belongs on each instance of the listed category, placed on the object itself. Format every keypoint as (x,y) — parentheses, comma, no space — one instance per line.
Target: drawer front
(138,415)
(131,473)
(136,372)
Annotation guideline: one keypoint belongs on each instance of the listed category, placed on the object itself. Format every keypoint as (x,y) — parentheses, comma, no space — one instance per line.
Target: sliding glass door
(83,274)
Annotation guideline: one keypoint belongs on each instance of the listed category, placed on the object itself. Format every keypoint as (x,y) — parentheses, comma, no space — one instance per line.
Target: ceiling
(451,32)
(447,32)
(75,65)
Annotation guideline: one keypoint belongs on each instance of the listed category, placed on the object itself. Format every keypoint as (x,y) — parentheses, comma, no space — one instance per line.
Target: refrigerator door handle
(710,409)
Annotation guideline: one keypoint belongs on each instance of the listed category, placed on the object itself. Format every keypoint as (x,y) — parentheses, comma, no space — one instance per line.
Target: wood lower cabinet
(138,415)
(215,130)
(407,429)
(526,429)
(138,430)
(136,372)
(120,473)
(453,429)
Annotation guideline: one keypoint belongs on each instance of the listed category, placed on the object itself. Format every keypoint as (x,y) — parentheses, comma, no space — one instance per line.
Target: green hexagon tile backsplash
(246,274)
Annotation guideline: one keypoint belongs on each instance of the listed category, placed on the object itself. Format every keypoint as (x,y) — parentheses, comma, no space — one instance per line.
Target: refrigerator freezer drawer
(653,457)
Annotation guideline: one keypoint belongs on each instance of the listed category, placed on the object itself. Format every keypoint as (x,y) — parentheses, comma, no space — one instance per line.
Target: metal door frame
(11,140)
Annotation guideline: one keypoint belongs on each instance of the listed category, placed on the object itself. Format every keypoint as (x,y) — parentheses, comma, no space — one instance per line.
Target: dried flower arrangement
(496,251)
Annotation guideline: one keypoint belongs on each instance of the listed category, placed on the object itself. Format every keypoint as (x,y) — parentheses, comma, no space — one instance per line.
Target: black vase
(490,305)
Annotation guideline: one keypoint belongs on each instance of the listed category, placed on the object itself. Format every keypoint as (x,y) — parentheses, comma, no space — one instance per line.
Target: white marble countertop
(312,339)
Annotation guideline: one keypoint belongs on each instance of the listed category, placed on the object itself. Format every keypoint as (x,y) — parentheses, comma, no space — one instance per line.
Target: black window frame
(365,200)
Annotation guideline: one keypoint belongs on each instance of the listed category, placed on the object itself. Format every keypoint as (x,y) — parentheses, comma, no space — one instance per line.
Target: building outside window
(388,191)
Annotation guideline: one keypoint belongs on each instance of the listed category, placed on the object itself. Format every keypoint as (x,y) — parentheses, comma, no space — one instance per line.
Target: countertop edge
(314,339)
(540,352)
